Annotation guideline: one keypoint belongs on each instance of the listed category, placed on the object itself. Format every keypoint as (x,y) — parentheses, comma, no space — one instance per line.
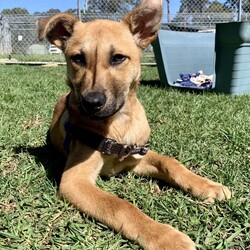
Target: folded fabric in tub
(195,81)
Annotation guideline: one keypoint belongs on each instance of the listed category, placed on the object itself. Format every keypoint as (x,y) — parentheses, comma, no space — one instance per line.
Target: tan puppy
(103,66)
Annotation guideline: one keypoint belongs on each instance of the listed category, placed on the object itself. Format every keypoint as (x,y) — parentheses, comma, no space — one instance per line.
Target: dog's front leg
(78,187)
(173,172)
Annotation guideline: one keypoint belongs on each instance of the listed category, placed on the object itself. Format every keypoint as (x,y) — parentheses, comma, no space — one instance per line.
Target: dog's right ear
(57,29)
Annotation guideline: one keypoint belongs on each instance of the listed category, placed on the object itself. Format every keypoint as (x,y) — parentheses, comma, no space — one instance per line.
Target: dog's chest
(113,166)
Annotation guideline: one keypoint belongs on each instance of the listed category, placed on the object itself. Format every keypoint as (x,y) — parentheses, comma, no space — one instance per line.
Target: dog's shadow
(51,160)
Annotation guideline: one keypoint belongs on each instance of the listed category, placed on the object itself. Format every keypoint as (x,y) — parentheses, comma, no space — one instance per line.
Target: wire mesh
(18,36)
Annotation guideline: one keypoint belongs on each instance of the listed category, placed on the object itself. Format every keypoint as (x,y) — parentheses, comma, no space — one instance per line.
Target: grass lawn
(209,133)
(34,58)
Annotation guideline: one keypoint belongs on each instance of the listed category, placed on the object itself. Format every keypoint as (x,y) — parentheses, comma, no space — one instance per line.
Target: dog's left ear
(144,21)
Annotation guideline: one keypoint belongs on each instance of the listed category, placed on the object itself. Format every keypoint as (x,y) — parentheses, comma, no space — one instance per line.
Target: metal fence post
(78,9)
(239,10)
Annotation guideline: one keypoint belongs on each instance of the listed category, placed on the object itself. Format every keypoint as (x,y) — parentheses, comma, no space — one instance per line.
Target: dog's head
(103,56)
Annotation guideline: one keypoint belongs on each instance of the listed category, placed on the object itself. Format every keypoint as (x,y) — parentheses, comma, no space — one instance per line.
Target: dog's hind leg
(78,187)
(176,174)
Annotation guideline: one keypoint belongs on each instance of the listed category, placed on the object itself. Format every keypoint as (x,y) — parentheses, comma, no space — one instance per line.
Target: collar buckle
(144,149)
(125,151)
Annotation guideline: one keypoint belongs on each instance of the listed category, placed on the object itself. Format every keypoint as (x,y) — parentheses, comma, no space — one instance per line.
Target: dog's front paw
(166,237)
(176,240)
(215,191)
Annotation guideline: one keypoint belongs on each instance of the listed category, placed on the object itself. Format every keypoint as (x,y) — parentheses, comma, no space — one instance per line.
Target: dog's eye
(118,59)
(79,59)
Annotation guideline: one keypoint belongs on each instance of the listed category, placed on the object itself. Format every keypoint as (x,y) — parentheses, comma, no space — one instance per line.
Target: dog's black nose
(93,101)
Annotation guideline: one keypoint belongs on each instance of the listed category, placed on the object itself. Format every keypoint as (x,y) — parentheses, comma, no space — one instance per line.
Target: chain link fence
(18,37)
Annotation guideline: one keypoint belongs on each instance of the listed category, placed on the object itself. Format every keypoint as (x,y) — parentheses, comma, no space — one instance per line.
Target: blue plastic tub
(232,58)
(183,52)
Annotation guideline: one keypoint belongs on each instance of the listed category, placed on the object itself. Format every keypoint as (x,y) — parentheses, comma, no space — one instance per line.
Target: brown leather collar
(102,144)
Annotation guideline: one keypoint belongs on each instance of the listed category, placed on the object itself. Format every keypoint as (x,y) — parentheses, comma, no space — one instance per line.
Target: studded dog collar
(100,143)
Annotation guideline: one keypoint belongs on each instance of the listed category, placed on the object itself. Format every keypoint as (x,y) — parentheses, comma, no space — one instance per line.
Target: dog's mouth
(101,114)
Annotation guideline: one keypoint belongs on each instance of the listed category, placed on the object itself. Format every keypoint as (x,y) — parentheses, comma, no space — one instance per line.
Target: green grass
(208,132)
(34,58)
